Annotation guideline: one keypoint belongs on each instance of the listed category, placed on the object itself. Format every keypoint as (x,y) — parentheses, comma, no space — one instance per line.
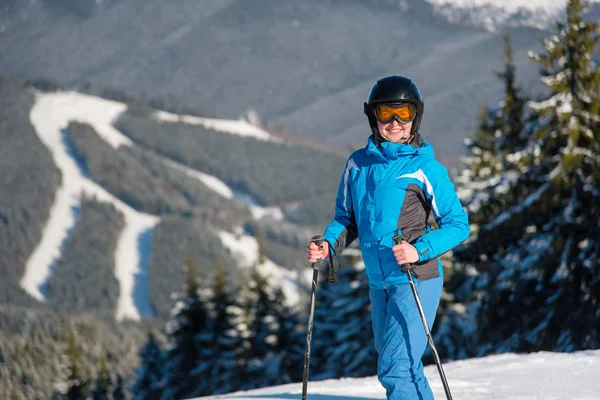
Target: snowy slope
(50,115)
(240,127)
(537,376)
(245,249)
(492,14)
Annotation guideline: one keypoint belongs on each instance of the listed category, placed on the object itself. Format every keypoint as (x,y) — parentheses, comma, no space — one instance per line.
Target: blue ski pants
(400,337)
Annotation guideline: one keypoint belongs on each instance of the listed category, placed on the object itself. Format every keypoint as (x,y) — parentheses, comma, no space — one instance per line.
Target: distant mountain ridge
(304,67)
(495,15)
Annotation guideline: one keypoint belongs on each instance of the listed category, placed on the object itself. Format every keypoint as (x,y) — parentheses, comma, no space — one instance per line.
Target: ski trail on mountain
(240,127)
(245,249)
(50,115)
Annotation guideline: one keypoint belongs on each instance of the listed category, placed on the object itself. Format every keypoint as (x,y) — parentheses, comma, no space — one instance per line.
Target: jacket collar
(392,151)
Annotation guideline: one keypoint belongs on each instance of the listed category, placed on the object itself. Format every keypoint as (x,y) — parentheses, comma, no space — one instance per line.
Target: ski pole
(398,239)
(315,266)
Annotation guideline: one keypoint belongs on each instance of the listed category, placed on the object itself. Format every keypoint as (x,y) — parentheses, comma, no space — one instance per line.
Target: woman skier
(388,188)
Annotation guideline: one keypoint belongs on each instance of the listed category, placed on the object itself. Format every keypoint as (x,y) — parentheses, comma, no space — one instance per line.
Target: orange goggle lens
(386,113)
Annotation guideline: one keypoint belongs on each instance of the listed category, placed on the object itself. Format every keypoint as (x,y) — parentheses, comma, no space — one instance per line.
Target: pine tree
(511,116)
(353,354)
(569,161)
(543,249)
(103,382)
(324,328)
(204,341)
(118,392)
(262,324)
(226,373)
(74,386)
(289,346)
(148,376)
(189,318)
(491,169)
(259,312)
(491,181)
(483,153)
(275,339)
(341,344)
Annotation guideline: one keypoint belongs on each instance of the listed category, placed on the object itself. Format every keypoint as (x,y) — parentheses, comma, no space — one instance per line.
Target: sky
(536,376)
(50,116)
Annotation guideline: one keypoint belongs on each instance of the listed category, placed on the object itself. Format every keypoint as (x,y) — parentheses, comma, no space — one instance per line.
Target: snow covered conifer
(489,168)
(189,318)
(103,382)
(74,386)
(341,344)
(487,187)
(569,159)
(147,378)
(542,251)
(262,329)
(276,338)
(325,326)
(118,392)
(289,346)
(510,137)
(353,354)
(228,331)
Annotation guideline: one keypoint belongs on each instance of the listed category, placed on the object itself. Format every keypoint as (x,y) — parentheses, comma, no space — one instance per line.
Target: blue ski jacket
(395,188)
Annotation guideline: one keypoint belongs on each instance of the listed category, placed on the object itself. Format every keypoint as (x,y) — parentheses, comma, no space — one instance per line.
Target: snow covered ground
(536,376)
(50,116)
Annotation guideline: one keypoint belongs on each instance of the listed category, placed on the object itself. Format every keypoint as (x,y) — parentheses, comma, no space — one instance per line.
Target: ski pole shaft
(398,239)
(436,357)
(311,315)
(309,331)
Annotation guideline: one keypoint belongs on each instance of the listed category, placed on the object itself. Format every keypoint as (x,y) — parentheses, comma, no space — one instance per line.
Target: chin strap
(379,139)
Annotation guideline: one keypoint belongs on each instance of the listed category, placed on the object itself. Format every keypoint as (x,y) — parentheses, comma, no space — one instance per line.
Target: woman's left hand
(405,253)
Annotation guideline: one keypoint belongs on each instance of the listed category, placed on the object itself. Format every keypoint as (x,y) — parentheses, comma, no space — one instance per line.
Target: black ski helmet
(394,89)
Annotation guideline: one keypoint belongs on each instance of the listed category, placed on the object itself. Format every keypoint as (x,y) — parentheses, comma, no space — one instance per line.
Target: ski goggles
(403,112)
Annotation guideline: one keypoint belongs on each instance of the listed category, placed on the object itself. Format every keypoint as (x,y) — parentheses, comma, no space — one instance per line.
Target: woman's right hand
(316,252)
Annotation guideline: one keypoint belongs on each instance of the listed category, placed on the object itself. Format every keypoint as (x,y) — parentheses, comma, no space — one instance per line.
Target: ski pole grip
(331,276)
(318,239)
(398,239)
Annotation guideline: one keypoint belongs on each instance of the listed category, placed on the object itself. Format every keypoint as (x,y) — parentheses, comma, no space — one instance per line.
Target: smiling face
(395,131)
